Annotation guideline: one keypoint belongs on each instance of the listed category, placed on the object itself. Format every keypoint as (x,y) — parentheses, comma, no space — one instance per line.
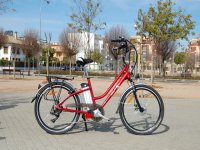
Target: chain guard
(97,119)
(91,109)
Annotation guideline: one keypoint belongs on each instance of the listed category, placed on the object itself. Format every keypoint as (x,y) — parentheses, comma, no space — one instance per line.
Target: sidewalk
(20,131)
(185,90)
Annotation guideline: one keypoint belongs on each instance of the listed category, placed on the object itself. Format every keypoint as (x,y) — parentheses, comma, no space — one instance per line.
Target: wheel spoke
(141,122)
(48,117)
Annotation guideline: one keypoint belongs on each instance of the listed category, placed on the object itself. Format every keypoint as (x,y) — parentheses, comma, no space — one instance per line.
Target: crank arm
(54,120)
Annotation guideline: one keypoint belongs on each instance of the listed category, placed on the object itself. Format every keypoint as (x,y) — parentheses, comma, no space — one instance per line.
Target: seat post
(85,71)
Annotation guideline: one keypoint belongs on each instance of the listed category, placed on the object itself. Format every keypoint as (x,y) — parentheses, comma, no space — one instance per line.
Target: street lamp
(48,2)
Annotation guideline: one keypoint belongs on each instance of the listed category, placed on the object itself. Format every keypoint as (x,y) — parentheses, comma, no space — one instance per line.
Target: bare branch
(3,5)
(30,45)
(114,33)
(70,41)
(3,38)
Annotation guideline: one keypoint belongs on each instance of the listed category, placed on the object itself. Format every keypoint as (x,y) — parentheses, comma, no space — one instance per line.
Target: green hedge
(108,74)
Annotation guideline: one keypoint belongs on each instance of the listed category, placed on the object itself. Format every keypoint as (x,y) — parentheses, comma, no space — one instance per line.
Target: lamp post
(141,28)
(48,2)
(140,18)
(10,60)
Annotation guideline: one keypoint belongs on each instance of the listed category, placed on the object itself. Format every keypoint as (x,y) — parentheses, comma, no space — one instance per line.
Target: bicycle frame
(123,75)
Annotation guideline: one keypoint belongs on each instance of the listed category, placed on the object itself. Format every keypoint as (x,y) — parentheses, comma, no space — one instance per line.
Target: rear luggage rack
(55,78)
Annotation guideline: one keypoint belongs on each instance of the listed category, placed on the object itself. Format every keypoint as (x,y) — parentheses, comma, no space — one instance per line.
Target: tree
(3,38)
(3,5)
(44,54)
(114,33)
(190,61)
(70,42)
(3,62)
(164,23)
(180,58)
(84,19)
(30,45)
(169,47)
(97,57)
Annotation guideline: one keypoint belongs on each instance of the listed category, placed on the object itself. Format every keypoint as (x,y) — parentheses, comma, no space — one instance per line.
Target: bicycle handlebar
(116,41)
(124,45)
(121,39)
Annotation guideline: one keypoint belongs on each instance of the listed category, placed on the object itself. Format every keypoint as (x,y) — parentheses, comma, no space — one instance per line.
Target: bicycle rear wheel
(50,119)
(147,121)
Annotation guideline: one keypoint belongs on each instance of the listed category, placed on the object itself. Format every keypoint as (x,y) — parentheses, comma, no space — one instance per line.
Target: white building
(99,43)
(12,50)
(96,43)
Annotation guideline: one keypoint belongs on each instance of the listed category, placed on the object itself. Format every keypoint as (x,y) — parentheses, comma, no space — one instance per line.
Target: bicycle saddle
(82,62)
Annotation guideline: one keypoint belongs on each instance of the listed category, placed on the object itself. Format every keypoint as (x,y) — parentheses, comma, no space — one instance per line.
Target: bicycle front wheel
(141,122)
(51,120)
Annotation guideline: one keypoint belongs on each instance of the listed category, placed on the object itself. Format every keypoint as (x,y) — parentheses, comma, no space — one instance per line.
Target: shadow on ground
(8,103)
(2,138)
(111,126)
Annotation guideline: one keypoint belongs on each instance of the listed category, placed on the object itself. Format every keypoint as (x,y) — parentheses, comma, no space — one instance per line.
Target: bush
(3,62)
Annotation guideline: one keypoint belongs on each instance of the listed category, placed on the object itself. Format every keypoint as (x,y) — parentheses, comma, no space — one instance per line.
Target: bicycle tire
(130,114)
(39,108)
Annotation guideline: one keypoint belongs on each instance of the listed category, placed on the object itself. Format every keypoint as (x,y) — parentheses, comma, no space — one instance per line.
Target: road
(19,130)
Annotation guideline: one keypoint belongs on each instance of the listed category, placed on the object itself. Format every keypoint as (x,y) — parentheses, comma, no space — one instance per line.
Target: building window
(5,50)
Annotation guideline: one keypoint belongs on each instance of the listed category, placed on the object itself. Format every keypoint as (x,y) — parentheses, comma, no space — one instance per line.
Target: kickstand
(83,116)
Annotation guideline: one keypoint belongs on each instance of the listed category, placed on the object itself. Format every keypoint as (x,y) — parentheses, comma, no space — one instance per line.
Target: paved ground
(20,131)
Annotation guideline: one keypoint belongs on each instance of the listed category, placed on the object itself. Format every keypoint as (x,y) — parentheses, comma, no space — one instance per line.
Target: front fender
(117,111)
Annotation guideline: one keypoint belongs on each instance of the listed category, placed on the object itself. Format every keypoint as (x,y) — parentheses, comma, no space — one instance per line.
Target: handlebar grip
(116,41)
(121,39)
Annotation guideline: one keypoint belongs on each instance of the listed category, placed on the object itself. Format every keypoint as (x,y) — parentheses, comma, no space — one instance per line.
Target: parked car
(65,68)
(74,68)
(186,74)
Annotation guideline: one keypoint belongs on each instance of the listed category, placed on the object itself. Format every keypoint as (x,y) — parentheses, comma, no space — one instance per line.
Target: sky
(56,15)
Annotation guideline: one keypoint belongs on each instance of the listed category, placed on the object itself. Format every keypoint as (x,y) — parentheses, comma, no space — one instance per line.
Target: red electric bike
(58,105)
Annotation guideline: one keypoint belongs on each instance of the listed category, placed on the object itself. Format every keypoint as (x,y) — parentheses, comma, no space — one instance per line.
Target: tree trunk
(70,66)
(24,64)
(14,68)
(28,66)
(163,67)
(38,63)
(47,62)
(164,70)
(152,70)
(116,66)
(88,44)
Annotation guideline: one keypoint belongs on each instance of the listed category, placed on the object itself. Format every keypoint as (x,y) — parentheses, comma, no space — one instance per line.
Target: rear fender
(37,93)
(40,88)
